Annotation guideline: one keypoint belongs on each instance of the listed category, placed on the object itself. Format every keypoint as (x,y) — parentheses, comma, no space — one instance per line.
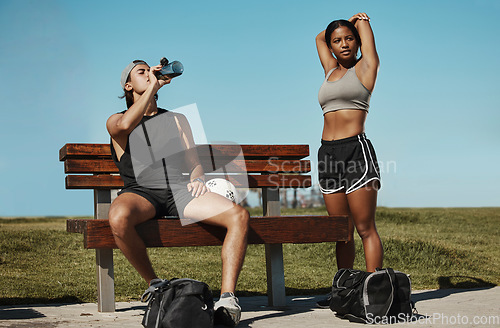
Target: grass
(440,247)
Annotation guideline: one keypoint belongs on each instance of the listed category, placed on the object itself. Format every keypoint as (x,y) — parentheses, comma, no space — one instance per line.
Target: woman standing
(348,171)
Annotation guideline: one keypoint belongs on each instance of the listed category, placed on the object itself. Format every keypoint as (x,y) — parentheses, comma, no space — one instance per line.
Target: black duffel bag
(383,296)
(179,303)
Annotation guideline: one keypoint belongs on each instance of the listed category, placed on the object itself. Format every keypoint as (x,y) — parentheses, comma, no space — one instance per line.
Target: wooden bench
(270,167)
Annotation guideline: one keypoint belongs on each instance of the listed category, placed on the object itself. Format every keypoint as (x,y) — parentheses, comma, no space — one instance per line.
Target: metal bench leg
(105,280)
(274,253)
(104,257)
(275,275)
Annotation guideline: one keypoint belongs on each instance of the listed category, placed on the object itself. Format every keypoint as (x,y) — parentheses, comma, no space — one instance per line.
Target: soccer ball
(223,188)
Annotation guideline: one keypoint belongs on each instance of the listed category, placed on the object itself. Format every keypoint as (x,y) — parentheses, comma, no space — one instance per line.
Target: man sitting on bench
(137,203)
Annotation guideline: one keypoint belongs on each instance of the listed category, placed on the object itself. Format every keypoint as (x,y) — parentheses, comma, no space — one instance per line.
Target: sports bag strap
(413,308)
(150,291)
(343,277)
(358,279)
(147,294)
(393,277)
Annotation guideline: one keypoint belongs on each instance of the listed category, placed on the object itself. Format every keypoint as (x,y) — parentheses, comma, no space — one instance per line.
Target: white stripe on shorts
(367,164)
(366,170)
(329,191)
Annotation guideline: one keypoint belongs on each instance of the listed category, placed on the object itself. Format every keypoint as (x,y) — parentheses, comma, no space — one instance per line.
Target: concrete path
(437,308)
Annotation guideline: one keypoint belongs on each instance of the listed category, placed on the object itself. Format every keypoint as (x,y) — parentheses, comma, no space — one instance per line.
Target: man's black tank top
(124,165)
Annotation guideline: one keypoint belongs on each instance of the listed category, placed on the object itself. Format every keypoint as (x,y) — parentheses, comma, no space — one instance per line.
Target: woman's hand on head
(154,80)
(359,16)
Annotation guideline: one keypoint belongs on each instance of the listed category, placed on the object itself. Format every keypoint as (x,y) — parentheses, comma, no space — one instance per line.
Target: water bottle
(169,70)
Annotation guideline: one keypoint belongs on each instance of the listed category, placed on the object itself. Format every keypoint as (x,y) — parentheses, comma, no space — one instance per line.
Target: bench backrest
(89,166)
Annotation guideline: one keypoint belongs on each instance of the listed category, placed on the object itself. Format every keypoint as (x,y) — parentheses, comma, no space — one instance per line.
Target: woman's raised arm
(362,23)
(325,54)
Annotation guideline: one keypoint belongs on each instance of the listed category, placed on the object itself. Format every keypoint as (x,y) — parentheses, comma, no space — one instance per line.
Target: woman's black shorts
(346,164)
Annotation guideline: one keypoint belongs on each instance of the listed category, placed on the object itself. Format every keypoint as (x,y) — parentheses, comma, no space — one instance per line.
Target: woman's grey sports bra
(346,93)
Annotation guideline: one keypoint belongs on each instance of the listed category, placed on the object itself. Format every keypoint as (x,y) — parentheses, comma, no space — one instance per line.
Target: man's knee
(240,218)
(119,220)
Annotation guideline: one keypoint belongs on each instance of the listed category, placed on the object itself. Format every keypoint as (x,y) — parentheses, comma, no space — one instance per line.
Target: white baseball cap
(128,69)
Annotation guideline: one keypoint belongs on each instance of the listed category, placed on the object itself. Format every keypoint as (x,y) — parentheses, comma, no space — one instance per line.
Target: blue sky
(251,68)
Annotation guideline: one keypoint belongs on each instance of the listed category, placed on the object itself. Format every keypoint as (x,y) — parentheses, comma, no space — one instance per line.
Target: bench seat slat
(263,230)
(106,181)
(100,166)
(75,150)
(96,166)
(89,151)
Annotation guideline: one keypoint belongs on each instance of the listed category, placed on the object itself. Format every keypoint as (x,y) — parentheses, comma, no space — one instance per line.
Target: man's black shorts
(347,164)
(165,201)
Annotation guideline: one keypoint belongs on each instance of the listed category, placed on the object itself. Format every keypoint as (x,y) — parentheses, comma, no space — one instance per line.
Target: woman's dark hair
(338,23)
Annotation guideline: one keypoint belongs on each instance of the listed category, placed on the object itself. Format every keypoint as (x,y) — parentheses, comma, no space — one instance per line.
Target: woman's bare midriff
(343,123)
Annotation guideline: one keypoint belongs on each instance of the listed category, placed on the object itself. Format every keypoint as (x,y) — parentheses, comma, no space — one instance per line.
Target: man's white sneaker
(227,310)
